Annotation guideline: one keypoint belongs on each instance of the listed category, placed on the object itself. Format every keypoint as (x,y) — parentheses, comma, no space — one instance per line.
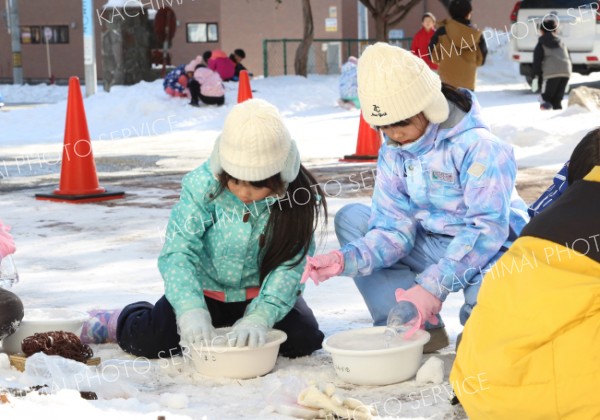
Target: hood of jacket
(550,41)
(462,33)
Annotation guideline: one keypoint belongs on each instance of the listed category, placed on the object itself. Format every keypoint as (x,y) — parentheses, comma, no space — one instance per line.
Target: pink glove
(428,306)
(7,243)
(322,267)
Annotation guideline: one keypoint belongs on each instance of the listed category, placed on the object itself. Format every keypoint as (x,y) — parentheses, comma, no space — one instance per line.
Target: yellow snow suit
(531,348)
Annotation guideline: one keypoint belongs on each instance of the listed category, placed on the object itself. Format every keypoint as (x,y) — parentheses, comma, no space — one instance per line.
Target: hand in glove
(535,84)
(322,267)
(427,305)
(248,331)
(195,328)
(7,243)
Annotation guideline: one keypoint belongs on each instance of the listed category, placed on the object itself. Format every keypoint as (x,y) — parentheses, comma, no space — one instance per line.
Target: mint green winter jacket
(208,246)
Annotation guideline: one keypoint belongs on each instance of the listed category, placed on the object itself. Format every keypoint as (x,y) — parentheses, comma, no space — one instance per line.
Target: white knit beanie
(255,144)
(394,84)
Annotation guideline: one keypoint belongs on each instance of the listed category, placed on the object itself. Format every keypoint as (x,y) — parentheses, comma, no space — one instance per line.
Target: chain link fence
(326,56)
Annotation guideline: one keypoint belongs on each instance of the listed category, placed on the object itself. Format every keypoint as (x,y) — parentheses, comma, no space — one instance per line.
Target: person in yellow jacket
(458,47)
(531,348)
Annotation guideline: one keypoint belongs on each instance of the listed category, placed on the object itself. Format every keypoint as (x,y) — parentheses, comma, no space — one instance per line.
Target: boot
(439,340)
(101,327)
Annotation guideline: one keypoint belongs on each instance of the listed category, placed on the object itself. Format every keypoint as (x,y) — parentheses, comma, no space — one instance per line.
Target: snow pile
(432,371)
(104,255)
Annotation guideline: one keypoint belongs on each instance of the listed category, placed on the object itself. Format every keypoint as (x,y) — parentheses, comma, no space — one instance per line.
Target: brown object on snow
(59,343)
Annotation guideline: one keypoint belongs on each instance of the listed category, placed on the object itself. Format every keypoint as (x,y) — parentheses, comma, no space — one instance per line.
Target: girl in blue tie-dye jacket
(444,206)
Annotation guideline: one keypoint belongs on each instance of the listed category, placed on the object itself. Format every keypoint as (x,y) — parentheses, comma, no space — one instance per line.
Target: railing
(326,56)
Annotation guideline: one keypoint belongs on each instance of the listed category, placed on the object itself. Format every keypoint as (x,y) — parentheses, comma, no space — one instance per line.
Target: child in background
(421,40)
(348,84)
(220,62)
(551,65)
(233,253)
(206,86)
(206,57)
(532,343)
(11,307)
(237,57)
(458,47)
(444,207)
(176,81)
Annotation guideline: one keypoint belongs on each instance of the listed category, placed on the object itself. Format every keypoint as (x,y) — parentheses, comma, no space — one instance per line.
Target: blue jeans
(379,288)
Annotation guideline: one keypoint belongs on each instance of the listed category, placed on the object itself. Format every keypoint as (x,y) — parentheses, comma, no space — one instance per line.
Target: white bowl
(44,320)
(361,357)
(222,360)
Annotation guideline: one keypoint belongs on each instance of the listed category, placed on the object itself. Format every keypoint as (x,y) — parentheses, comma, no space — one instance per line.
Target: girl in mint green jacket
(234,248)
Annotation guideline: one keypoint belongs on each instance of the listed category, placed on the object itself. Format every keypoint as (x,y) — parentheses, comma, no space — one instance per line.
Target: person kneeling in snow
(348,84)
(233,252)
(206,86)
(175,83)
(444,207)
(534,334)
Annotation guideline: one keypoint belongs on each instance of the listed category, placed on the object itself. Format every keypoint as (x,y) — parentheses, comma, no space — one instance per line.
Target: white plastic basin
(361,357)
(222,360)
(44,320)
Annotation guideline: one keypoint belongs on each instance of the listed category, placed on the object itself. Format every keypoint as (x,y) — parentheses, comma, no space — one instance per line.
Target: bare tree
(301,58)
(388,13)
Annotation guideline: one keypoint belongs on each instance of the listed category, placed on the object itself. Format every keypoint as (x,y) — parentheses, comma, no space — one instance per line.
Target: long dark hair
(459,98)
(585,156)
(292,222)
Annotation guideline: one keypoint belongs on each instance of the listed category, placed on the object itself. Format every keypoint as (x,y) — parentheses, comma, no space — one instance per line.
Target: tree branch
(369,6)
(407,8)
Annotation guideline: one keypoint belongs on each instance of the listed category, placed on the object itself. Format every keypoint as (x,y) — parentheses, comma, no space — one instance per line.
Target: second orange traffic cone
(78,179)
(367,144)
(244,89)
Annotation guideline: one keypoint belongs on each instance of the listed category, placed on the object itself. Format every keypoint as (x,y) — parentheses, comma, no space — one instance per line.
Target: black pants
(150,330)
(11,312)
(553,91)
(194,88)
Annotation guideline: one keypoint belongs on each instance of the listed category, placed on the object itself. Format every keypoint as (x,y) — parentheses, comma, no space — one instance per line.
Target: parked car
(579,28)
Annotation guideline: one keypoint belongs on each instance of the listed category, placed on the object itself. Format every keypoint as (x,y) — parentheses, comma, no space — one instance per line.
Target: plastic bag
(56,372)
(108,380)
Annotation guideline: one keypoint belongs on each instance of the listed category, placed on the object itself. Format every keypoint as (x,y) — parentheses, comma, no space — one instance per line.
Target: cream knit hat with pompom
(394,84)
(255,144)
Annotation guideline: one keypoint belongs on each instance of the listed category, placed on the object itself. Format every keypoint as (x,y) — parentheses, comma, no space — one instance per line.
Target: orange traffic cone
(367,144)
(244,89)
(78,179)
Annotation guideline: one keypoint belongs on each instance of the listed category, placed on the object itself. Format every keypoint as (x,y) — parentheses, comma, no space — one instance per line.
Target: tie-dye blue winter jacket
(458,179)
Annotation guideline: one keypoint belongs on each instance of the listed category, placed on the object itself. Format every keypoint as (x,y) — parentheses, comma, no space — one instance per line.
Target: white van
(579,28)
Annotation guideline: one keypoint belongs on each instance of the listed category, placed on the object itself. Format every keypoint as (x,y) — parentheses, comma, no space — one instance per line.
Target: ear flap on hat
(215,159)
(437,111)
(291,167)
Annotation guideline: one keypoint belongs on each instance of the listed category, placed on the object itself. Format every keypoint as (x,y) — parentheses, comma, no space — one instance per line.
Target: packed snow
(104,255)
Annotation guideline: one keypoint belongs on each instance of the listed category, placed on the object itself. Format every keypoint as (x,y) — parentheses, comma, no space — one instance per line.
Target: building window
(202,32)
(43,34)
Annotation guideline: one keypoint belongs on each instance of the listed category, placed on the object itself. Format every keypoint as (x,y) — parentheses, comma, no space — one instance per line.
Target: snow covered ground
(104,255)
